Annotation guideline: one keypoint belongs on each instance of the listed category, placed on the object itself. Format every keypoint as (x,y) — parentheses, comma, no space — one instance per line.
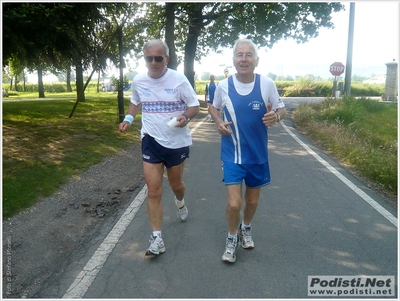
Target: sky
(375,43)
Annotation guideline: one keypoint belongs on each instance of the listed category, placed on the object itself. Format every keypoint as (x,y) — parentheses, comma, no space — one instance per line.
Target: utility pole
(349,61)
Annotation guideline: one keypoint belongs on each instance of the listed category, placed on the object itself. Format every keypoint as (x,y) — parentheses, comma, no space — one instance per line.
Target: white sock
(245,226)
(178,203)
(157,233)
(234,237)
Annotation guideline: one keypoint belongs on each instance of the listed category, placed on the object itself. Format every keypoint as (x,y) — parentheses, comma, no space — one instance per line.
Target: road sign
(336,68)
(226,72)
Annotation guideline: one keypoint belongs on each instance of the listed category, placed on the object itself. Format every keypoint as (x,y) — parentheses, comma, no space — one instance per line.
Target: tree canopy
(54,35)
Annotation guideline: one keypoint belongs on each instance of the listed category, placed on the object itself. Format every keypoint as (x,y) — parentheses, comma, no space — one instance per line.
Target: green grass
(302,87)
(307,87)
(67,95)
(362,133)
(43,147)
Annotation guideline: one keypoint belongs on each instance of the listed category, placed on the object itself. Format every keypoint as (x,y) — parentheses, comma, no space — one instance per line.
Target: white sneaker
(246,240)
(156,246)
(183,213)
(230,251)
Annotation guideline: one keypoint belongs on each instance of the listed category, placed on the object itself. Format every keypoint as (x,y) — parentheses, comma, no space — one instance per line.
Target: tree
(58,35)
(24,39)
(205,76)
(272,76)
(120,17)
(169,34)
(202,27)
(45,34)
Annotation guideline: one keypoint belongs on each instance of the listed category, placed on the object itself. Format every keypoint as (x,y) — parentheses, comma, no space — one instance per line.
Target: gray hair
(246,41)
(156,42)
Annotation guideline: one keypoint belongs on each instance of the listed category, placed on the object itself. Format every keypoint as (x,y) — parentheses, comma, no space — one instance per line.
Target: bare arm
(272,117)
(132,110)
(223,126)
(187,115)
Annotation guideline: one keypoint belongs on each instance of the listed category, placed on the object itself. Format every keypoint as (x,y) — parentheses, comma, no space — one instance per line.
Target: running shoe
(230,251)
(182,213)
(156,246)
(246,241)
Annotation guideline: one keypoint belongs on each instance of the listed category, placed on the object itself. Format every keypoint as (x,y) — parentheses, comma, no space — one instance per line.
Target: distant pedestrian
(250,103)
(103,87)
(164,96)
(209,95)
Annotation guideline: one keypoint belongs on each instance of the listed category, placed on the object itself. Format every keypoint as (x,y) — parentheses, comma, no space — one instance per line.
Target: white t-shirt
(161,99)
(268,91)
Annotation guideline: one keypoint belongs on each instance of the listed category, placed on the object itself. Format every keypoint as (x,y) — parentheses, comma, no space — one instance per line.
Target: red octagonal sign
(336,68)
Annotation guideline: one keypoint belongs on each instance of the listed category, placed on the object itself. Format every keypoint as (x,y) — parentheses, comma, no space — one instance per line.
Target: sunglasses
(158,59)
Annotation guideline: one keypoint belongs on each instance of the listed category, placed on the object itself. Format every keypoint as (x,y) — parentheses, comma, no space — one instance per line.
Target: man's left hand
(270,118)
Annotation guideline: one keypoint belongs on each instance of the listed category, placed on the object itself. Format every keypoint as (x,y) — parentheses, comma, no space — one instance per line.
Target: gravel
(38,242)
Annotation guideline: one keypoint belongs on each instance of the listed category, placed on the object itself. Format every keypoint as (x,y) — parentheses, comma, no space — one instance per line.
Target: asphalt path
(315,218)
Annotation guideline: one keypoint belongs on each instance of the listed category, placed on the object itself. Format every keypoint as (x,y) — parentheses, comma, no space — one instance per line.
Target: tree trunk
(23,74)
(190,52)
(68,79)
(98,81)
(121,113)
(195,26)
(169,34)
(40,82)
(79,82)
(16,84)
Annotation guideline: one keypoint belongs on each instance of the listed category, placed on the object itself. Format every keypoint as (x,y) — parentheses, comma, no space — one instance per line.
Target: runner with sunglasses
(162,94)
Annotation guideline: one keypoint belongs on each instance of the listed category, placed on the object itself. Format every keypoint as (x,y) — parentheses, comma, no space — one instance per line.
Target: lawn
(43,147)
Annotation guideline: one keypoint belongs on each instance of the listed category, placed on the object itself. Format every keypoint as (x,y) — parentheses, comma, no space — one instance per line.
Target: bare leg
(175,177)
(252,196)
(233,207)
(153,174)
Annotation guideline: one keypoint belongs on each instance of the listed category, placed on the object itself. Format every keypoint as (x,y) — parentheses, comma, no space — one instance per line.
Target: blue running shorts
(254,175)
(153,152)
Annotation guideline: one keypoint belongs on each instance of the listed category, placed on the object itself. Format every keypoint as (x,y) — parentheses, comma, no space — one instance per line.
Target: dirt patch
(38,242)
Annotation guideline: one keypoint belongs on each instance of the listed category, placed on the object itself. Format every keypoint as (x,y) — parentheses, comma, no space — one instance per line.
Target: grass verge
(362,133)
(43,147)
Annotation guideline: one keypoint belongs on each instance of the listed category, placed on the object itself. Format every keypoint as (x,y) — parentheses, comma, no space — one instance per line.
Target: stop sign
(336,68)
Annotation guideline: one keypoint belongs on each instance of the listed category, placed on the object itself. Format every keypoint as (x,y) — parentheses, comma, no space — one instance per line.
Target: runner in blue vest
(209,96)
(250,103)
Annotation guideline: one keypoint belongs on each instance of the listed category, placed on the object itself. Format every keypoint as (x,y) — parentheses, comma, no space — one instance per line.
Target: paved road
(313,219)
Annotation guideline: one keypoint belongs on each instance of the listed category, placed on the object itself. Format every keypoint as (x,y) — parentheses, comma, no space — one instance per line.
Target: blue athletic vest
(249,141)
(210,88)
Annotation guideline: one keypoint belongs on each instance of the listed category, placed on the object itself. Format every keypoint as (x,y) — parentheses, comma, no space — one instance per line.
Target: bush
(305,87)
(361,132)
(360,89)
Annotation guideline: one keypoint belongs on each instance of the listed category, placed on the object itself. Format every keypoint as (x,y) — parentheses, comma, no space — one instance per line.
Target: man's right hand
(123,126)
(224,128)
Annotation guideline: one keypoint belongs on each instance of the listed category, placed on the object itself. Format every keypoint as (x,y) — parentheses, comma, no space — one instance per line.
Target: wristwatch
(278,116)
(187,118)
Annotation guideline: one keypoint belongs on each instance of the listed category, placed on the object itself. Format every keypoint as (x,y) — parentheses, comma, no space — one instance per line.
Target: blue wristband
(129,118)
